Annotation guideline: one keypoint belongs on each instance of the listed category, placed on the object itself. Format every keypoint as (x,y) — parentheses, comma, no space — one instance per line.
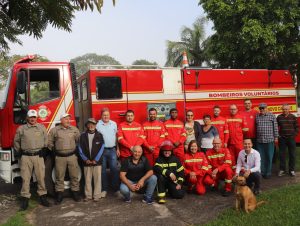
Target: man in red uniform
(154,134)
(236,127)
(196,169)
(221,124)
(176,133)
(219,161)
(129,134)
(249,116)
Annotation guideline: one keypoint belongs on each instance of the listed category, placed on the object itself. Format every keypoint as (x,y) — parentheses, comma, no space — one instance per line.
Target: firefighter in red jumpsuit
(249,117)
(129,134)
(154,134)
(219,161)
(236,127)
(221,124)
(176,133)
(196,169)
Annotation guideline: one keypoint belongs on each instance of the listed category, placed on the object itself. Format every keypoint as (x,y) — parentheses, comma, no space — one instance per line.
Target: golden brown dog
(245,199)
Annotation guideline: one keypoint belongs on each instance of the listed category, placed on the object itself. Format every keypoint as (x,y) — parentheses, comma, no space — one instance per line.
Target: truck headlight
(5,156)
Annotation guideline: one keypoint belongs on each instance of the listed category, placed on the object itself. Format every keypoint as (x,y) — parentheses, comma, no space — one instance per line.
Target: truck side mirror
(21,82)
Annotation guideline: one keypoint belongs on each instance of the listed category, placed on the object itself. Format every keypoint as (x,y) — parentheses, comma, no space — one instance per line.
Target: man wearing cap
(130,134)
(62,139)
(169,172)
(266,137)
(30,141)
(91,146)
(175,132)
(108,129)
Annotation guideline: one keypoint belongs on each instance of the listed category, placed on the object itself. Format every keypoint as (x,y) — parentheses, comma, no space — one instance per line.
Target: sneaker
(127,200)
(226,193)
(96,200)
(162,201)
(103,194)
(87,199)
(292,173)
(281,173)
(149,201)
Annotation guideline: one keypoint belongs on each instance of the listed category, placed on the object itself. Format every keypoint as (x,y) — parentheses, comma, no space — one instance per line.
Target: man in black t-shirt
(135,174)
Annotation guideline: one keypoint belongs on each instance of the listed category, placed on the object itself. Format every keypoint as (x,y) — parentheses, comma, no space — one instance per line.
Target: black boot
(44,201)
(59,197)
(24,203)
(76,196)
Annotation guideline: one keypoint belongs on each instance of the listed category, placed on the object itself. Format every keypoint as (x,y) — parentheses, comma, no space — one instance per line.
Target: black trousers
(254,178)
(164,183)
(290,144)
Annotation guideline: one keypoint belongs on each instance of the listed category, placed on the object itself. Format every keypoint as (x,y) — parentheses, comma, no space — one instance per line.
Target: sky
(130,30)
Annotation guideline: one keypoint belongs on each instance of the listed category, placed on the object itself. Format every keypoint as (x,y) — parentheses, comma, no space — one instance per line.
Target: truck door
(43,93)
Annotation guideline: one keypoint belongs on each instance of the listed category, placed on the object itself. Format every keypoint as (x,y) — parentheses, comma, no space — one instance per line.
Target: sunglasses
(261,108)
(190,115)
(246,158)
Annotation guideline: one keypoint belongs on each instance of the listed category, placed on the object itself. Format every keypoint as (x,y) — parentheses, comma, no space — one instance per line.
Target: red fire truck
(51,88)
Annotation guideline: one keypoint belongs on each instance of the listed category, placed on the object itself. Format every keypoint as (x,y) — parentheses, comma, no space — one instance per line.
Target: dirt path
(113,211)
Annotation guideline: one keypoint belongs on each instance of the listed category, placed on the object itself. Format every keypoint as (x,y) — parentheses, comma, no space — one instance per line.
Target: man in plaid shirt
(267,136)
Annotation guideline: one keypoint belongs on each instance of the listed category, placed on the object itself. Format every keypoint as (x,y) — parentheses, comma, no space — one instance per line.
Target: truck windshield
(4,92)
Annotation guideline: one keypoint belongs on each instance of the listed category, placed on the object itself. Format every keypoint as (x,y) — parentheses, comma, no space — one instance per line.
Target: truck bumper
(9,168)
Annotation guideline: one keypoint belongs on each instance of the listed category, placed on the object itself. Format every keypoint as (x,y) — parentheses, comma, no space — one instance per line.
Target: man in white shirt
(248,165)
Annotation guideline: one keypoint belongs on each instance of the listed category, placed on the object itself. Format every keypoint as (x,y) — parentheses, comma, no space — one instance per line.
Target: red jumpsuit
(236,127)
(154,134)
(222,161)
(221,124)
(175,132)
(129,135)
(249,118)
(198,164)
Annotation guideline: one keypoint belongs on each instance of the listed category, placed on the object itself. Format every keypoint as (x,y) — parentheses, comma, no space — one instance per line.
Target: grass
(276,165)
(282,208)
(19,219)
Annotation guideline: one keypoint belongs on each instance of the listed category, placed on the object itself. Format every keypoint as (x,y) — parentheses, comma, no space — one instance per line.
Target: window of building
(108,88)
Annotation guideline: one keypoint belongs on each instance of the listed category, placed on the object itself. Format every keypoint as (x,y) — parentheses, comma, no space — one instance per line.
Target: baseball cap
(32,113)
(64,115)
(262,105)
(91,120)
(167,145)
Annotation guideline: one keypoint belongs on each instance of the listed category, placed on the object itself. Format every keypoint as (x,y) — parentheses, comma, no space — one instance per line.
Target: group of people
(165,155)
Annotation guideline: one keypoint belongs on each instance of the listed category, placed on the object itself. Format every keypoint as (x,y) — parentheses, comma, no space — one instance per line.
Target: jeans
(290,143)
(254,178)
(110,156)
(266,151)
(150,185)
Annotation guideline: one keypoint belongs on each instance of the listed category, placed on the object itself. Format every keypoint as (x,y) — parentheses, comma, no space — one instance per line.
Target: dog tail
(260,203)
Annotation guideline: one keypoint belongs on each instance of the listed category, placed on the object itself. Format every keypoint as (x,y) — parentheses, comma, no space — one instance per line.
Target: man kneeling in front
(136,175)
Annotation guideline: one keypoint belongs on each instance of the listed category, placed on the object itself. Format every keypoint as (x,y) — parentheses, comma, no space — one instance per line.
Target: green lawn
(297,160)
(19,219)
(282,209)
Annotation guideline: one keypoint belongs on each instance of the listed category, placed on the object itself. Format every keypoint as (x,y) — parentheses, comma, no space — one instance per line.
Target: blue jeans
(290,143)
(110,156)
(266,151)
(150,185)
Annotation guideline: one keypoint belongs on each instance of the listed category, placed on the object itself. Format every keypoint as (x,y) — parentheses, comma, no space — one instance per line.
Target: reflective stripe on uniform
(152,127)
(234,120)
(174,126)
(215,156)
(193,160)
(180,169)
(119,138)
(228,181)
(161,194)
(131,129)
(164,172)
(228,161)
(204,167)
(180,178)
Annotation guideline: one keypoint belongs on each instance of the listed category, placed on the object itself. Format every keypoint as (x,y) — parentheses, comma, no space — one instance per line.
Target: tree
(254,33)
(191,41)
(145,62)
(32,17)
(7,62)
(82,63)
